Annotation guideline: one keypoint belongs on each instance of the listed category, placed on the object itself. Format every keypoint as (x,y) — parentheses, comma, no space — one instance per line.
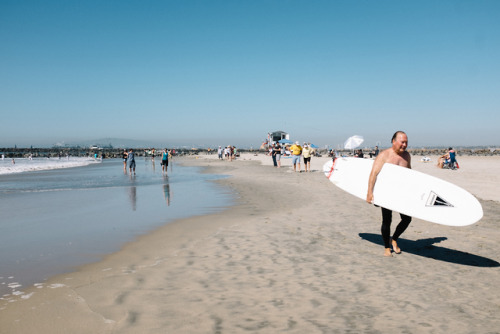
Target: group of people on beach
(396,155)
(297,151)
(229,153)
(129,160)
(448,160)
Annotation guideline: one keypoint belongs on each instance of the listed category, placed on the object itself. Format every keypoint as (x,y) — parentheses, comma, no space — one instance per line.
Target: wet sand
(295,255)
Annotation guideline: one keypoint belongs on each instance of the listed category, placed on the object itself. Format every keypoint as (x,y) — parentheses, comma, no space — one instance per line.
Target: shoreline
(290,255)
(56,220)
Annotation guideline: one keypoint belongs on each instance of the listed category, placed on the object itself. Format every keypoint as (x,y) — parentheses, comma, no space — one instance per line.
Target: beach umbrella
(285,141)
(352,142)
(314,146)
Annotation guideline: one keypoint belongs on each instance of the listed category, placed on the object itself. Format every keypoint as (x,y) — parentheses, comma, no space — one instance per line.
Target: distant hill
(110,143)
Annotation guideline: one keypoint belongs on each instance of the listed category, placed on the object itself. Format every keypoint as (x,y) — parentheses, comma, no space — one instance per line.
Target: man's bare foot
(388,252)
(395,247)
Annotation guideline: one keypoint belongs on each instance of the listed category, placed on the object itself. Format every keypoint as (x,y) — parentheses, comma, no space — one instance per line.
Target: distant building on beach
(273,137)
(277,136)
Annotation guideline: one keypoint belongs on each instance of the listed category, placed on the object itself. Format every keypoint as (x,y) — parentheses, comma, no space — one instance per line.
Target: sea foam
(21,165)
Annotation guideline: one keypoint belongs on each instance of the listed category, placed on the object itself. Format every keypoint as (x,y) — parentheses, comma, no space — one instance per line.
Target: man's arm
(377,167)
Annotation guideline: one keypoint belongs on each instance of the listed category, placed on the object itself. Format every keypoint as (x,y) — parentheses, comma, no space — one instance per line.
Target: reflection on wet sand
(132,194)
(166,190)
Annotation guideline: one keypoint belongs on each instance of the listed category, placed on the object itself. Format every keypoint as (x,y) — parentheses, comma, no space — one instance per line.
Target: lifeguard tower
(277,136)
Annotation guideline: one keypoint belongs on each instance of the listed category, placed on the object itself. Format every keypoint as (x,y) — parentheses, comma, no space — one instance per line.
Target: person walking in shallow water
(124,155)
(396,155)
(131,161)
(164,161)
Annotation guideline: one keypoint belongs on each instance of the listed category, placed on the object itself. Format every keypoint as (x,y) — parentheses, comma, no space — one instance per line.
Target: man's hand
(369,198)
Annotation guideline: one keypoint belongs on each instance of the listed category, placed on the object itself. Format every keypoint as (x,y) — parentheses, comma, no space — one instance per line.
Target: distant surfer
(396,155)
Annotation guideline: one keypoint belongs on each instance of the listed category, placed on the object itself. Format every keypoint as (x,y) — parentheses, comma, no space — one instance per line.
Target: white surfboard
(406,191)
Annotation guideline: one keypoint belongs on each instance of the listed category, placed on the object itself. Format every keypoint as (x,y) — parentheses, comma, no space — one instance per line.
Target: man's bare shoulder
(384,155)
(380,160)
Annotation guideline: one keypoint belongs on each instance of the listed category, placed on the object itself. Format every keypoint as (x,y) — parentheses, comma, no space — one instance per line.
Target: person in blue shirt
(131,161)
(453,160)
(164,160)
(448,160)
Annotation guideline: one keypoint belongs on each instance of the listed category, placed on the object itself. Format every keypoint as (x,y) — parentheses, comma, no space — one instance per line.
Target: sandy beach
(294,255)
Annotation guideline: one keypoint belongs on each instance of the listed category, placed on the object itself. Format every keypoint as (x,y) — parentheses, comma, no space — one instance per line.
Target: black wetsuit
(386,226)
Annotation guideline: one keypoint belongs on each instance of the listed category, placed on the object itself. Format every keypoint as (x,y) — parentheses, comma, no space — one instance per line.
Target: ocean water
(53,220)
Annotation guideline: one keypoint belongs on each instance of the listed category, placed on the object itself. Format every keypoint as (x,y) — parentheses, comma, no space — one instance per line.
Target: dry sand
(295,255)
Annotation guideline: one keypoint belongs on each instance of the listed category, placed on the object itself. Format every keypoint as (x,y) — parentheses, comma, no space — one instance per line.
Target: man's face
(400,143)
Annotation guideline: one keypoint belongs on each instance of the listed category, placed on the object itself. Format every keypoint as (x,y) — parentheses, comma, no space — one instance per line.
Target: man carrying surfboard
(396,155)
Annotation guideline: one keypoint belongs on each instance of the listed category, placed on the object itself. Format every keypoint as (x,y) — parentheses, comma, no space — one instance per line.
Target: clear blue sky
(228,72)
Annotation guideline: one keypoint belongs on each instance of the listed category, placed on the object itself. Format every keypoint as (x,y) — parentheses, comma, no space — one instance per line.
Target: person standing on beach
(124,155)
(277,154)
(307,152)
(219,153)
(131,161)
(232,150)
(273,154)
(296,150)
(164,161)
(453,160)
(396,155)
(374,153)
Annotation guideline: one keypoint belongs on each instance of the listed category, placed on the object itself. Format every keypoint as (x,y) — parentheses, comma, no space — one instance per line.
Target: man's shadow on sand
(426,248)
